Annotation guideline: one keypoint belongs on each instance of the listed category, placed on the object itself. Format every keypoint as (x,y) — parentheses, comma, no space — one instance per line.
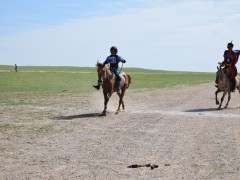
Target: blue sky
(186,35)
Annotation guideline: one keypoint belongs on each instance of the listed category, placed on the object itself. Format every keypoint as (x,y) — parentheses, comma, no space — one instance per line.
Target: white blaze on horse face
(219,74)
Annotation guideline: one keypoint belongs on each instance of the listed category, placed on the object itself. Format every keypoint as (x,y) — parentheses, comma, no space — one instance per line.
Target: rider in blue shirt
(113,59)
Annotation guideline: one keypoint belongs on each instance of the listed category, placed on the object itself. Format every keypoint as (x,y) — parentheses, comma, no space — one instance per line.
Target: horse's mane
(100,65)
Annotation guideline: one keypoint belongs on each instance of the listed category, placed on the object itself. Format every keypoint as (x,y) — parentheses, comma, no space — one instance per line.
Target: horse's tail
(129,80)
(238,83)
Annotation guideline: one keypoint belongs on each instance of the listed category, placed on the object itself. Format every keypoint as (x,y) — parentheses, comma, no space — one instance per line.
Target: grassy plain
(44,80)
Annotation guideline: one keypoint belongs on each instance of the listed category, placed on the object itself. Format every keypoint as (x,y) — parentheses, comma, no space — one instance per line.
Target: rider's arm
(235,59)
(223,62)
(106,61)
(121,59)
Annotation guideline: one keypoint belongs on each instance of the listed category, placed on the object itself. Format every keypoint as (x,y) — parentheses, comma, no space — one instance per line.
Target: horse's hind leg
(229,97)
(224,94)
(121,100)
(119,104)
(123,93)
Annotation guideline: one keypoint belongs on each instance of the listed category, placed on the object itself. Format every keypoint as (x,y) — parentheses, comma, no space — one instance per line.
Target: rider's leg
(99,84)
(118,79)
(233,84)
(118,82)
(234,74)
(216,83)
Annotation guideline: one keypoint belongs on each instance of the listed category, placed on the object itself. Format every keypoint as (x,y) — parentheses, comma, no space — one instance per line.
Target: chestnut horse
(109,85)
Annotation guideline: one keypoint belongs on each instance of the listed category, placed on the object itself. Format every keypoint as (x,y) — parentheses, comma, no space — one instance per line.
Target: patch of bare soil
(173,133)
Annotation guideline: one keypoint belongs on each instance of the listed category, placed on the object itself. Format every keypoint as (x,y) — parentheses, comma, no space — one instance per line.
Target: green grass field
(44,80)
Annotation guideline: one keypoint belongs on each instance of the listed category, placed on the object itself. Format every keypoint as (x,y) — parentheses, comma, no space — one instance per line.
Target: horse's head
(102,70)
(222,74)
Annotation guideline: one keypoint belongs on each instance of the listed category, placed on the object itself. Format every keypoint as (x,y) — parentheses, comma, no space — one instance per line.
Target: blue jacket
(114,60)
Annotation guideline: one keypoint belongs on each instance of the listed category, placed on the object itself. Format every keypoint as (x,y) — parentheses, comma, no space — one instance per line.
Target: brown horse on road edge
(224,85)
(109,85)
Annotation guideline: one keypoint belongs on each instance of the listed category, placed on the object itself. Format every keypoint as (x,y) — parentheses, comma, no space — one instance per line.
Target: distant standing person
(15,68)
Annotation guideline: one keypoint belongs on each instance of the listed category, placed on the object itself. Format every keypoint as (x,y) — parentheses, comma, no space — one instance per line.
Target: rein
(121,68)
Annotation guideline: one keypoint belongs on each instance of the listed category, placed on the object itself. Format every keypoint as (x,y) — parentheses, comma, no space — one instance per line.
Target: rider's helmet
(114,48)
(230,44)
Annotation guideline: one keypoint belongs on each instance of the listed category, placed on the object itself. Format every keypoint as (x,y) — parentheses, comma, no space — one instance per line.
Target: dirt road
(179,129)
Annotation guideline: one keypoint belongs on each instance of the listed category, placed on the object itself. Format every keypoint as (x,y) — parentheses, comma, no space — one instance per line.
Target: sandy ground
(178,129)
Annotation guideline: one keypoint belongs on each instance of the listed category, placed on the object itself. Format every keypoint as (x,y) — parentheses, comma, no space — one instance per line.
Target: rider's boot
(118,86)
(98,85)
(233,85)
(216,84)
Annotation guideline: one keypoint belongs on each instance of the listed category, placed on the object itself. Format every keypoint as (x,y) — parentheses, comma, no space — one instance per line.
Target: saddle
(123,77)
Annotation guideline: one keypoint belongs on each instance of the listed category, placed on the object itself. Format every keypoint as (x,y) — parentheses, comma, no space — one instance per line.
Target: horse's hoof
(103,114)
(217,103)
(120,110)
(225,107)
(218,108)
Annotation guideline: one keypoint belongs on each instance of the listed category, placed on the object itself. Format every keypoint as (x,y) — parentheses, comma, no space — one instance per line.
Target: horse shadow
(202,110)
(80,116)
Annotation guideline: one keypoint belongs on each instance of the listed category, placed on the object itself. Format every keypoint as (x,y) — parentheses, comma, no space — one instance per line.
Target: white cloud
(189,35)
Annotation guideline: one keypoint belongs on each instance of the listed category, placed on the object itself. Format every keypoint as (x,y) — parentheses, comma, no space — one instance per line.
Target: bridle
(102,73)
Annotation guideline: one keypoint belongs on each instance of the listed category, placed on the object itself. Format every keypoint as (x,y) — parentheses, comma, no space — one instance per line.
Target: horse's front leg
(229,97)
(224,94)
(216,98)
(121,101)
(106,99)
(123,105)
